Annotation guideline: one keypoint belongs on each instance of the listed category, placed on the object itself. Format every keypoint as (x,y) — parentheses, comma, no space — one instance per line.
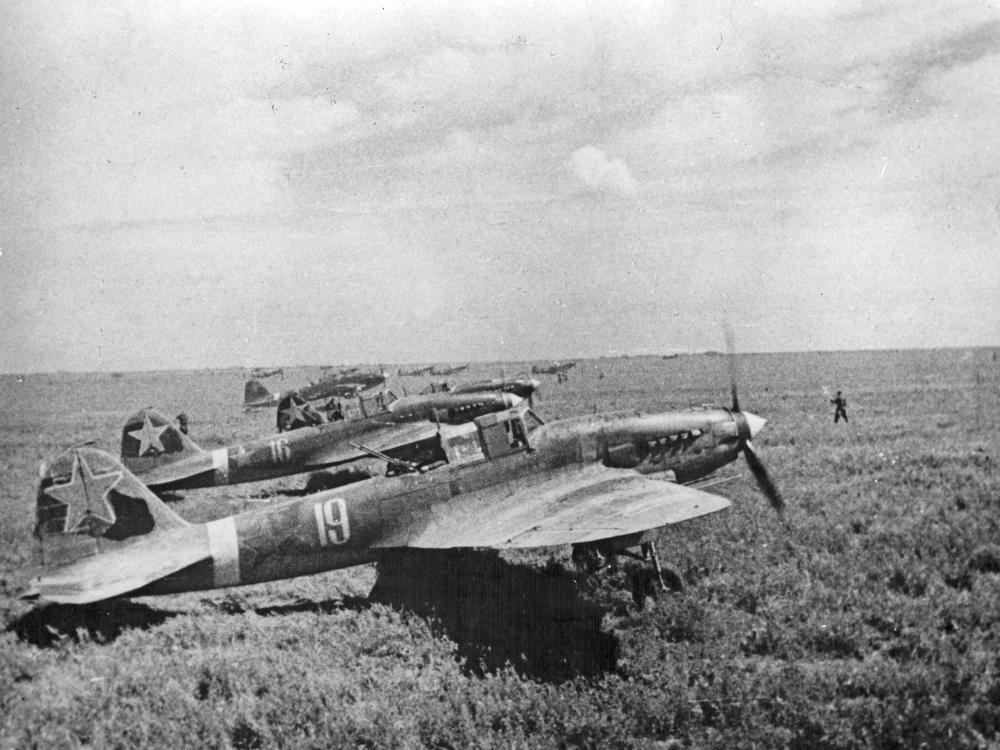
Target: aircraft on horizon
(447,370)
(553,368)
(341,385)
(166,459)
(260,372)
(506,480)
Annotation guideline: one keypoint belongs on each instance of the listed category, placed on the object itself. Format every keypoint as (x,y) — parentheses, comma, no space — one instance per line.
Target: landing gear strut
(647,580)
(650,583)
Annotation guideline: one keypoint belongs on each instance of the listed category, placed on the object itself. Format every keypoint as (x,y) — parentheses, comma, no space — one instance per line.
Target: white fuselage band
(225,551)
(220,466)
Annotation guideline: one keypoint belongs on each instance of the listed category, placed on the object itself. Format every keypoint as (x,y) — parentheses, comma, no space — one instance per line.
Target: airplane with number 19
(602,483)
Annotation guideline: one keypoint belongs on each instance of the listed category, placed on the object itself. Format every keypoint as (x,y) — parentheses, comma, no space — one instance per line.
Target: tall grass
(870,618)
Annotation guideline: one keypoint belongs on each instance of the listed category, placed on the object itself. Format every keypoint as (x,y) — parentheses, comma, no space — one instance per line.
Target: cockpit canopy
(488,437)
(491,436)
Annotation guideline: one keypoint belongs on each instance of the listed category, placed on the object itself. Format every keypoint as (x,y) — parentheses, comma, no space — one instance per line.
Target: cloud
(602,175)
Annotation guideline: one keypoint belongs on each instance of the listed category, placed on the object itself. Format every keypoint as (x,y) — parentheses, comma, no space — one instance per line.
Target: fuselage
(337,386)
(402,430)
(522,387)
(509,450)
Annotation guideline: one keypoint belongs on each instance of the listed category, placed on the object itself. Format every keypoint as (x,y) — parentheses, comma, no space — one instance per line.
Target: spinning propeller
(754,423)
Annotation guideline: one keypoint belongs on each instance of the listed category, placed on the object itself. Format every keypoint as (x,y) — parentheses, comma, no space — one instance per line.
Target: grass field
(871,618)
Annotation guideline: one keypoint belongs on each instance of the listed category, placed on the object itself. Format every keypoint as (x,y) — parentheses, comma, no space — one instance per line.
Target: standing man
(840,410)
(182,422)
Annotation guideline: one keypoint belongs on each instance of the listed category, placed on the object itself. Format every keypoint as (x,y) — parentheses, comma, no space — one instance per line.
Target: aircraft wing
(123,570)
(382,437)
(569,508)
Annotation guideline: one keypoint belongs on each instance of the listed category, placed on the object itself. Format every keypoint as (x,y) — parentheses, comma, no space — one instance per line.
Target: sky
(196,185)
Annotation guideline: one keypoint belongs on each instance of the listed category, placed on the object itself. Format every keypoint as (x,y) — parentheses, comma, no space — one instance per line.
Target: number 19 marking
(331,522)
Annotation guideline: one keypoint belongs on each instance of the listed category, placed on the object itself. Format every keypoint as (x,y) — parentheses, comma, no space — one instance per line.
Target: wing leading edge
(569,508)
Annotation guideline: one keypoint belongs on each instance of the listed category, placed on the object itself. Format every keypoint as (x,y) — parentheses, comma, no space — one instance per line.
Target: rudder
(150,440)
(256,393)
(88,503)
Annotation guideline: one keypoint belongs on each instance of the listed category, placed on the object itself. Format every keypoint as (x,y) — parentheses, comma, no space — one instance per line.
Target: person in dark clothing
(182,422)
(334,411)
(840,410)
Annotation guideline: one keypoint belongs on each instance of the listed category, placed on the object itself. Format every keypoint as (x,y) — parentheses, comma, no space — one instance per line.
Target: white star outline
(69,495)
(149,436)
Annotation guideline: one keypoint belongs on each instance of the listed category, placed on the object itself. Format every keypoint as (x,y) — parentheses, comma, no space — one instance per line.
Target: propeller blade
(731,360)
(764,481)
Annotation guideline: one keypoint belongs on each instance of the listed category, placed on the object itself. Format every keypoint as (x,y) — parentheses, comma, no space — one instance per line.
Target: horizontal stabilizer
(570,508)
(123,570)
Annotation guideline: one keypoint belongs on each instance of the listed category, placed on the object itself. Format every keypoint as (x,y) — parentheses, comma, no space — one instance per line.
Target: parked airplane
(553,368)
(166,459)
(447,370)
(343,385)
(521,385)
(260,372)
(507,481)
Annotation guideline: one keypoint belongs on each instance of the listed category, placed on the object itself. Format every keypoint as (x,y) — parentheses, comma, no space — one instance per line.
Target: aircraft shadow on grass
(101,622)
(498,613)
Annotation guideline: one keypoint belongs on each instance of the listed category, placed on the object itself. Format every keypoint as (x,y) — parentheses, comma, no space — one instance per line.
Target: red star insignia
(149,436)
(85,497)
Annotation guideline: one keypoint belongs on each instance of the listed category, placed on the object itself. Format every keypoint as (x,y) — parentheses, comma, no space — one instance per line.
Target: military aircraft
(521,385)
(439,371)
(553,368)
(166,459)
(342,385)
(416,373)
(260,372)
(507,480)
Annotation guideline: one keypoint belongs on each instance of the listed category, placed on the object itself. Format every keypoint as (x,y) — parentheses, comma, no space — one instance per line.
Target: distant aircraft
(418,371)
(553,368)
(447,370)
(166,459)
(342,385)
(506,481)
(260,372)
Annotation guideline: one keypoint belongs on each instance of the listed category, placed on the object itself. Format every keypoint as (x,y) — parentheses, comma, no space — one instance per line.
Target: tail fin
(294,412)
(256,394)
(150,440)
(105,534)
(88,503)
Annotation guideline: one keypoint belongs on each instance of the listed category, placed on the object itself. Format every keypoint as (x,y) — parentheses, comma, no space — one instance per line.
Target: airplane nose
(754,423)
